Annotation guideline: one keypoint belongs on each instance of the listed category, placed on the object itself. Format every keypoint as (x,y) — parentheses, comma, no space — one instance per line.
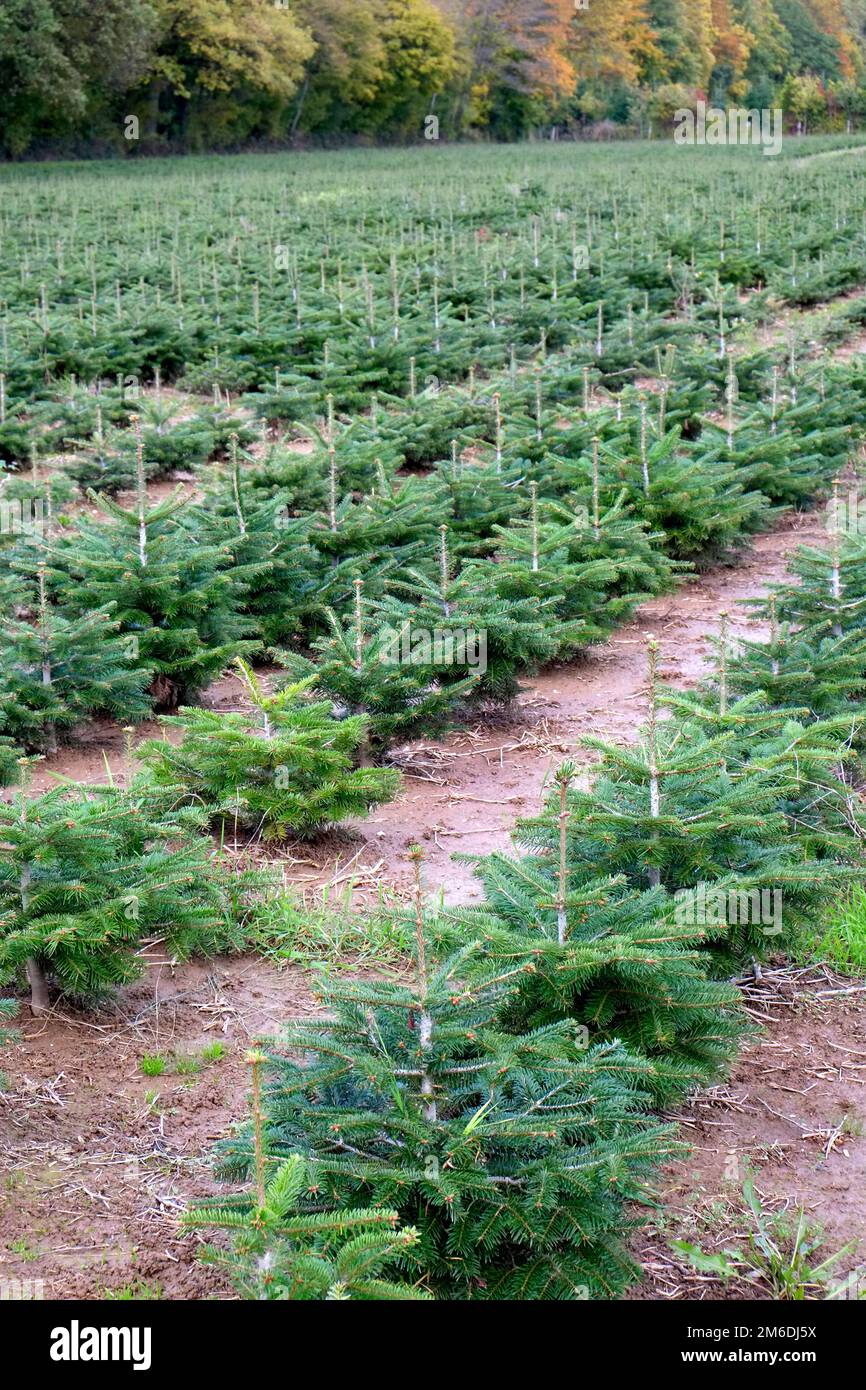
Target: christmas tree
(824,675)
(58,671)
(174,599)
(266,548)
(89,873)
(622,963)
(285,766)
(479,499)
(815,757)
(395,674)
(701,510)
(682,811)
(518,633)
(829,597)
(394,518)
(511,1155)
(282,1252)
(533,563)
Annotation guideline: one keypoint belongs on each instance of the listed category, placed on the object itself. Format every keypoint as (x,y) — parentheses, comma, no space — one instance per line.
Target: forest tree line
(146,75)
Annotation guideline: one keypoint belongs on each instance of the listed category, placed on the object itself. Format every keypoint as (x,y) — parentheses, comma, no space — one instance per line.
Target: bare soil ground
(793,1113)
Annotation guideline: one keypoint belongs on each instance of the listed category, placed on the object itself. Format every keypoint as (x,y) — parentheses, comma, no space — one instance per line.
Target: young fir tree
(511,1155)
(519,632)
(58,671)
(613,533)
(266,548)
(815,756)
(88,873)
(285,766)
(397,676)
(280,1251)
(480,500)
(679,810)
(174,600)
(532,563)
(824,675)
(394,519)
(622,963)
(828,597)
(701,511)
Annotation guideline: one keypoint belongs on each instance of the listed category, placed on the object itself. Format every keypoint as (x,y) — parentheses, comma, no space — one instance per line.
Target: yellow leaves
(219,45)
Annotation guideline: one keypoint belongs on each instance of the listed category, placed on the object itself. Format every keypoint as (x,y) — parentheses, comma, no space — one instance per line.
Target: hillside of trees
(131,76)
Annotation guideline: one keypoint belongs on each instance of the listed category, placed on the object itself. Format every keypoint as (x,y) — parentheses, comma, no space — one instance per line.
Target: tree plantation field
(432,725)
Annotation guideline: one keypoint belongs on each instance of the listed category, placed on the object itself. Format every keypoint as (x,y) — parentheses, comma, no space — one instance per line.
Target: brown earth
(793,1113)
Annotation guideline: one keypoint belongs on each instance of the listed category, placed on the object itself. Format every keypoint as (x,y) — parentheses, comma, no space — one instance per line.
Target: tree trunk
(39,1002)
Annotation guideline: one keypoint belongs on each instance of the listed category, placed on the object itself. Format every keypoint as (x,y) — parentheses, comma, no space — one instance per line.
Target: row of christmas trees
(333,557)
(475,1131)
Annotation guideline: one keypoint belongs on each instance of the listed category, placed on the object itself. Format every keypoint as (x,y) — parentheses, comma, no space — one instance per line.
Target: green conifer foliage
(280,1251)
(10,756)
(87,873)
(519,632)
(267,550)
(701,511)
(56,671)
(397,675)
(480,499)
(624,964)
(285,766)
(823,674)
(815,757)
(533,563)
(510,1155)
(679,810)
(829,598)
(174,600)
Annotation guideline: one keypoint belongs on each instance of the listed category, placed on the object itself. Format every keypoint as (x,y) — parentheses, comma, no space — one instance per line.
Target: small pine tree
(480,500)
(174,600)
(281,1252)
(284,767)
(824,675)
(533,563)
(829,597)
(510,1155)
(58,671)
(87,873)
(392,675)
(700,510)
(393,518)
(814,756)
(621,963)
(680,810)
(519,632)
(269,554)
